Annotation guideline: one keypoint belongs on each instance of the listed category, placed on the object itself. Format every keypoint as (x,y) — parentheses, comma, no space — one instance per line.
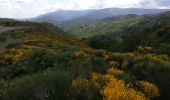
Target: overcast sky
(32,8)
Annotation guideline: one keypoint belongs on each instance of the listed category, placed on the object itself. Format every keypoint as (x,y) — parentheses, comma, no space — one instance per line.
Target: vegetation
(38,61)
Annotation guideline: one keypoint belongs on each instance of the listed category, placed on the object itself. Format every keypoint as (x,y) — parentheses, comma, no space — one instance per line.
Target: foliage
(118,90)
(115,72)
(48,85)
(149,89)
(41,62)
(83,89)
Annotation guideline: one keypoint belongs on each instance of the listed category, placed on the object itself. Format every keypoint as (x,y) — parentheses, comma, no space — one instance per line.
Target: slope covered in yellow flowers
(41,62)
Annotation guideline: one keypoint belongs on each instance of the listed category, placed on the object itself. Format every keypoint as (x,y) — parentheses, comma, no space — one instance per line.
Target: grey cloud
(158,3)
(11,1)
(163,2)
(99,4)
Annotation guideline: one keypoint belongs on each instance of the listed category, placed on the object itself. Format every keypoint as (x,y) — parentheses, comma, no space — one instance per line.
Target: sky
(32,8)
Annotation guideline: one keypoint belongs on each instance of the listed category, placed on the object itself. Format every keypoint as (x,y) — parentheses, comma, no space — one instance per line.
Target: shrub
(155,72)
(125,63)
(49,85)
(114,64)
(2,39)
(149,89)
(99,65)
(79,54)
(144,49)
(38,59)
(163,48)
(115,72)
(83,89)
(118,90)
(105,56)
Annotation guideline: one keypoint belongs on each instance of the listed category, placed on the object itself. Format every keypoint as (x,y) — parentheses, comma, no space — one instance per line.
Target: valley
(114,57)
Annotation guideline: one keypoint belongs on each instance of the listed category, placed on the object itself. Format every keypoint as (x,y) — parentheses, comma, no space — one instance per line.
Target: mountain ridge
(61,16)
(117,24)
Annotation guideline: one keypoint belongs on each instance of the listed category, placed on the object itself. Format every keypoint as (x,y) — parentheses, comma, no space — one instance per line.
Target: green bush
(155,72)
(2,39)
(163,48)
(48,85)
(83,89)
(99,65)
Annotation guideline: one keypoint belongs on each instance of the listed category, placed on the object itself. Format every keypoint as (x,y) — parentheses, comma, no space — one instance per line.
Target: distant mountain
(109,12)
(61,16)
(117,25)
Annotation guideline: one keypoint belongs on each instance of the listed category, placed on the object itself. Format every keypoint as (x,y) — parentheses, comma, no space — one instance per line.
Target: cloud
(155,4)
(31,8)
(17,1)
(22,8)
(105,3)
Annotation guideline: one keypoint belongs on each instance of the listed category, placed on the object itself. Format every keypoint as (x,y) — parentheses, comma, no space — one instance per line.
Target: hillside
(116,25)
(62,16)
(155,26)
(146,33)
(39,61)
(9,27)
(89,28)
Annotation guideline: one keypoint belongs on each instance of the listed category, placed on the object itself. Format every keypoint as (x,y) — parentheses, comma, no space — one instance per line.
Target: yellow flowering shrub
(115,72)
(82,81)
(149,89)
(117,90)
(86,89)
(113,64)
(144,49)
(27,47)
(105,56)
(152,57)
(79,82)
(7,56)
(95,76)
(38,36)
(112,89)
(79,54)
(130,54)
(163,57)
(17,54)
(13,55)
(125,63)
(2,62)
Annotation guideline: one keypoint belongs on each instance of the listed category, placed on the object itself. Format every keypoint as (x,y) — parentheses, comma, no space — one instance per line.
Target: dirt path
(5,29)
